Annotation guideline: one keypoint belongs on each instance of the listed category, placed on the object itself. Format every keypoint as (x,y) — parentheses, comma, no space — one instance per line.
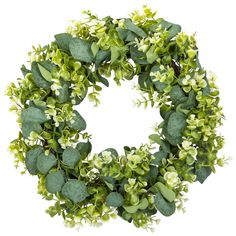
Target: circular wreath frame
(142,181)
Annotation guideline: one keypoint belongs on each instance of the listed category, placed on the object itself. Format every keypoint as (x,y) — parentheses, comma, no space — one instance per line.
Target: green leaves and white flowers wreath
(142,181)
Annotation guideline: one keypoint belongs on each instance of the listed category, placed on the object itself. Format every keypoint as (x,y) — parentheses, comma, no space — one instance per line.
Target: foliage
(136,184)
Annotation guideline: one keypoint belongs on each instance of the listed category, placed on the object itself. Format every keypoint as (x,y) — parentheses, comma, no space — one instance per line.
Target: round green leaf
(33,114)
(75,190)
(114,199)
(78,122)
(167,193)
(71,156)
(45,163)
(166,208)
(84,148)
(54,181)
(31,160)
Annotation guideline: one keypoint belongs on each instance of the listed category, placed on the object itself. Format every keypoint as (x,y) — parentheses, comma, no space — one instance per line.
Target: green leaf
(75,190)
(159,85)
(33,115)
(45,73)
(174,30)
(102,79)
(176,124)
(78,122)
(111,150)
(152,175)
(24,70)
(64,94)
(203,173)
(134,28)
(71,156)
(63,41)
(142,205)
(81,50)
(54,181)
(102,55)
(84,148)
(114,199)
(138,56)
(31,160)
(94,48)
(167,193)
(38,78)
(28,127)
(126,35)
(115,53)
(191,101)
(45,163)
(158,157)
(177,95)
(165,208)
(163,144)
(151,55)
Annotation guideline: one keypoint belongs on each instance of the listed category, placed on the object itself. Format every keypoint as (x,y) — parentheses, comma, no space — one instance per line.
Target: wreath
(142,181)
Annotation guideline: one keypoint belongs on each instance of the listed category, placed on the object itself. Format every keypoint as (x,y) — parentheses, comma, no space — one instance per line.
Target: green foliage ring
(54,145)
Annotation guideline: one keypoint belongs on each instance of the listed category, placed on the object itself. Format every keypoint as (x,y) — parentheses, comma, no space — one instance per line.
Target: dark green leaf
(31,159)
(103,80)
(64,94)
(84,148)
(166,208)
(163,144)
(176,124)
(158,157)
(152,175)
(24,70)
(54,181)
(203,173)
(126,35)
(102,55)
(63,41)
(45,163)
(34,115)
(177,95)
(28,127)
(71,156)
(138,56)
(134,28)
(174,30)
(38,78)
(78,122)
(81,50)
(75,190)
(114,199)
(191,101)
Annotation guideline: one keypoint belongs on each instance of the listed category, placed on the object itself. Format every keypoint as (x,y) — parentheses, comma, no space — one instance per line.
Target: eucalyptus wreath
(53,143)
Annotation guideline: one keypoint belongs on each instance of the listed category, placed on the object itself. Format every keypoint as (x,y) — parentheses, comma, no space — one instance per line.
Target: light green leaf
(78,122)
(151,55)
(166,208)
(45,163)
(54,181)
(134,28)
(31,159)
(142,206)
(75,190)
(114,199)
(81,50)
(63,41)
(45,73)
(115,53)
(38,78)
(34,115)
(71,156)
(112,151)
(167,193)
(94,48)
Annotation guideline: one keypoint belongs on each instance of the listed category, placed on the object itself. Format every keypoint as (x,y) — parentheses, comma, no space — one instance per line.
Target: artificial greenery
(142,181)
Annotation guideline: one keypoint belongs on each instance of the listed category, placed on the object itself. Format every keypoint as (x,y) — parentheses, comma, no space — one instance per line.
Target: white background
(211,207)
